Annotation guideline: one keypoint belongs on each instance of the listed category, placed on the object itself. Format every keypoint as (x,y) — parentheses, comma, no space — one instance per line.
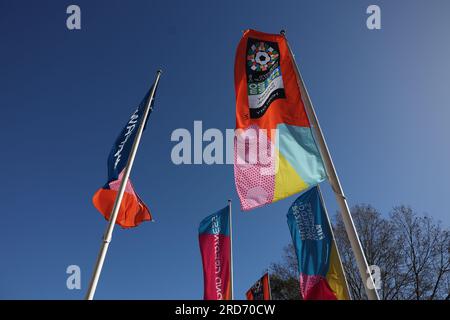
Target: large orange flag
(275,152)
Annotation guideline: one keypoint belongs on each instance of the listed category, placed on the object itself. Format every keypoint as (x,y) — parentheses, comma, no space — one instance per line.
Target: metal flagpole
(231,250)
(361,261)
(334,240)
(112,221)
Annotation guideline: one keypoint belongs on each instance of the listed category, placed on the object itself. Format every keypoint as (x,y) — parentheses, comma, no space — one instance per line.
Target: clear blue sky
(382,98)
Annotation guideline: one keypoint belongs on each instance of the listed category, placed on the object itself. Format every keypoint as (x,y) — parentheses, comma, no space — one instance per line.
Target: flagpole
(113,217)
(231,250)
(360,258)
(334,241)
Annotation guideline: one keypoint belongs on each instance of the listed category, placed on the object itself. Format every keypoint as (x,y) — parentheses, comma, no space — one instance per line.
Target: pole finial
(283,32)
(159,71)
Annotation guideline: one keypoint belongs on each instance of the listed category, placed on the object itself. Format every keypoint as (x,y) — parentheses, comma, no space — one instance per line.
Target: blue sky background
(382,98)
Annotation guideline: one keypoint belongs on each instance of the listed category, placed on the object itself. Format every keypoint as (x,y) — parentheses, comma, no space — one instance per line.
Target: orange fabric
(227,294)
(290,110)
(132,211)
(264,281)
(266,287)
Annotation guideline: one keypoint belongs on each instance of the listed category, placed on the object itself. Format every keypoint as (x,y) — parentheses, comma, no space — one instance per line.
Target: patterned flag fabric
(214,239)
(275,152)
(260,290)
(133,210)
(321,274)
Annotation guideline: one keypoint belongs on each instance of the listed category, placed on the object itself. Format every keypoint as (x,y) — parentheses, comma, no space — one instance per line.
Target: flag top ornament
(260,290)
(270,115)
(133,210)
(215,246)
(319,266)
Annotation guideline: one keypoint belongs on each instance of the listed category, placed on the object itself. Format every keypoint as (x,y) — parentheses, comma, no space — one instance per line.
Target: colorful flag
(260,290)
(133,210)
(215,247)
(275,152)
(320,269)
